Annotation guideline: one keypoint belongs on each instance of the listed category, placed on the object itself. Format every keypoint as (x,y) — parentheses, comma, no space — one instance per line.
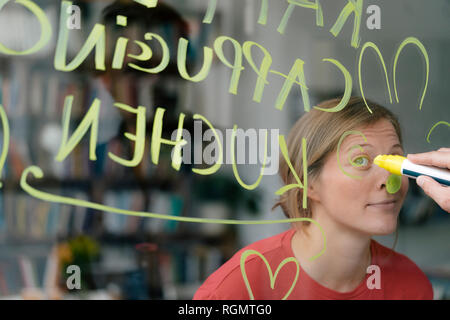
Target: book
(27,272)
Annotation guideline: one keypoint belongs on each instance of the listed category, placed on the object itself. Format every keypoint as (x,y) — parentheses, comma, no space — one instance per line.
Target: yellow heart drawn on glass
(273,277)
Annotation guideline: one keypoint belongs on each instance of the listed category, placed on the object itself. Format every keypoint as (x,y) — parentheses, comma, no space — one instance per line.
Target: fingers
(438,193)
(439,158)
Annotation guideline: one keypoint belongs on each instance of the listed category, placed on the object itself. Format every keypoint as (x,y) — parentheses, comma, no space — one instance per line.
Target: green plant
(82,251)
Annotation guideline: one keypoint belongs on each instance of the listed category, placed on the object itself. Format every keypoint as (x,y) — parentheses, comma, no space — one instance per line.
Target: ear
(313,193)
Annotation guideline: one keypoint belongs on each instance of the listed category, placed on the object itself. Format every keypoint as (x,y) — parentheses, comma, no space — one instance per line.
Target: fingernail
(420,181)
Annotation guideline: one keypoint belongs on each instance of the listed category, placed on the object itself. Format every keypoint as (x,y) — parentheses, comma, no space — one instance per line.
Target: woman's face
(361,204)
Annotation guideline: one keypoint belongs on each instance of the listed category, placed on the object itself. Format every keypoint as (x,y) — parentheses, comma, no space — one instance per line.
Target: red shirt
(400,277)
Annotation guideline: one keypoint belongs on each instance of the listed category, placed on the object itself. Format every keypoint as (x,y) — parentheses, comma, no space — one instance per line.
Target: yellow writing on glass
(355,7)
(95,40)
(5,144)
(218,164)
(121,45)
(89,121)
(263,69)
(434,127)
(296,76)
(380,57)
(347,91)
(147,3)
(352,6)
(181,62)
(144,57)
(393,183)
(138,138)
(233,162)
(418,44)
(263,12)
(273,276)
(410,40)
(236,66)
(37,172)
(304,186)
(345,134)
(157,139)
(46,30)
(211,11)
(301,3)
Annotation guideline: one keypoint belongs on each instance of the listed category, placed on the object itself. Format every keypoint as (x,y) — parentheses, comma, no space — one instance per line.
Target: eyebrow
(397,145)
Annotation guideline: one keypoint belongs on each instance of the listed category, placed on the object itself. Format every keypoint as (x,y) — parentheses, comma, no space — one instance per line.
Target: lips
(384,204)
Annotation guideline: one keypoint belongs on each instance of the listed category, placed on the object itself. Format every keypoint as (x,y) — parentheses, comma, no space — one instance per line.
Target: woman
(349,200)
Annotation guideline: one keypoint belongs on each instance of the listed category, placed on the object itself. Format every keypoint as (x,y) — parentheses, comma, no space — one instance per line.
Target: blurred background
(126,257)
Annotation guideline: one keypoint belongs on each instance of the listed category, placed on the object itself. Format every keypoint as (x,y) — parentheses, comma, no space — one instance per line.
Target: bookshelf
(33,93)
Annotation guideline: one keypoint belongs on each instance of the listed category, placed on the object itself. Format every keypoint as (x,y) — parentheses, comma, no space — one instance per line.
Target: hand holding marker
(424,166)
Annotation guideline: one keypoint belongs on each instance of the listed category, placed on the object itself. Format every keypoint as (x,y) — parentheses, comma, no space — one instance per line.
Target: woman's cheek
(354,188)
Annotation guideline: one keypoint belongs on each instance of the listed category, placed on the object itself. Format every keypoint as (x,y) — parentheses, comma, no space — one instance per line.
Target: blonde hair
(322,131)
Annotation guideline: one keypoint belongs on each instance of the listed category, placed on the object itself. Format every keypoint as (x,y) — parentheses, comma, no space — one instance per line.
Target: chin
(382,227)
(381,222)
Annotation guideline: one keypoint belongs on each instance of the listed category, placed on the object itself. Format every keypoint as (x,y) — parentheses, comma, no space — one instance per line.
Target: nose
(382,176)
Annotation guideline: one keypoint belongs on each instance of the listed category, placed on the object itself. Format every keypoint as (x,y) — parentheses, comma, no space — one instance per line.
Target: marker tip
(377,160)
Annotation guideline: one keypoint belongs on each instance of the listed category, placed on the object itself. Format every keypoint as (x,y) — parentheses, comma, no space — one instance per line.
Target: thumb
(429,185)
(434,190)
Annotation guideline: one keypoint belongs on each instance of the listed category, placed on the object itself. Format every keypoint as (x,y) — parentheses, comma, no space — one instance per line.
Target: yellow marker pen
(401,166)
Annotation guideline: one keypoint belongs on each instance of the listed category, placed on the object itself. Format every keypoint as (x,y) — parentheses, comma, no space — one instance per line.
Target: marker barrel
(413,170)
